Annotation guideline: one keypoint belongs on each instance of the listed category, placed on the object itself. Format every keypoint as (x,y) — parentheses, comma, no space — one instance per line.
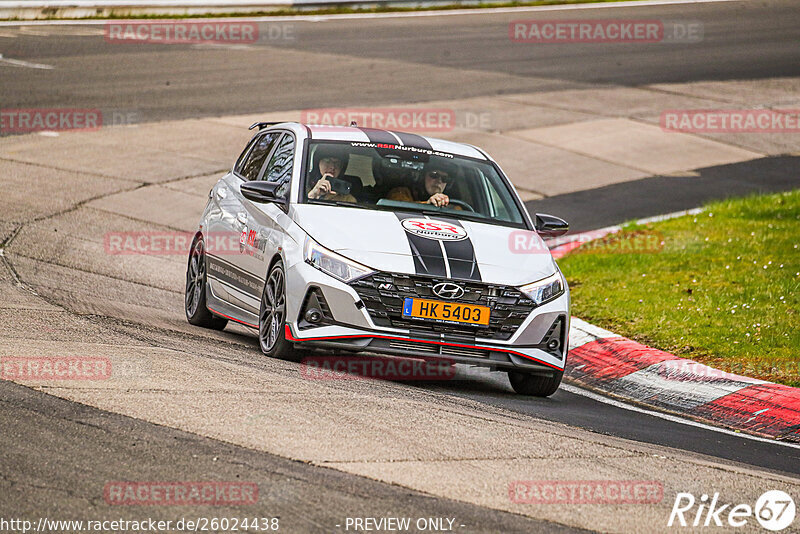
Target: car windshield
(398,178)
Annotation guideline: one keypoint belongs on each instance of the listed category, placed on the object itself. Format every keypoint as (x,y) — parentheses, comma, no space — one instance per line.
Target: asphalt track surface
(742,41)
(366,62)
(94,447)
(657,195)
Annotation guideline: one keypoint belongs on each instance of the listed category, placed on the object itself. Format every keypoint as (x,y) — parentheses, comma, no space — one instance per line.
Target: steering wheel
(460,203)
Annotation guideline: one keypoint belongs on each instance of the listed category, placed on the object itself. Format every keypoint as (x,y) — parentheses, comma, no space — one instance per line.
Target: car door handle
(242,217)
(221,193)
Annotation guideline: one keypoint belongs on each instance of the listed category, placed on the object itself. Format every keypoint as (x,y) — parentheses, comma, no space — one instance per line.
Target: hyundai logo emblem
(446,290)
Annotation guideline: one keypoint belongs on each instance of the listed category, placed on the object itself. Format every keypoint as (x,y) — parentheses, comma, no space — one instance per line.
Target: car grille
(509,307)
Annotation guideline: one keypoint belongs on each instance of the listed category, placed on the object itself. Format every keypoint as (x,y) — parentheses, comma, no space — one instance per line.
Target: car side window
(240,160)
(279,169)
(252,164)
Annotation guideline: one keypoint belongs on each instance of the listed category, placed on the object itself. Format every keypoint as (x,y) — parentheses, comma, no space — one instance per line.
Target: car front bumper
(352,329)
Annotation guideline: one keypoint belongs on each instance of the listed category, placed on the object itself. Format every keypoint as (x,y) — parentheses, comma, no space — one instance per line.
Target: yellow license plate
(449,312)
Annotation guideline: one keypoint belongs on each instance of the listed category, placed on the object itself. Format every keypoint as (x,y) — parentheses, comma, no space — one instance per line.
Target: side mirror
(259,191)
(550,226)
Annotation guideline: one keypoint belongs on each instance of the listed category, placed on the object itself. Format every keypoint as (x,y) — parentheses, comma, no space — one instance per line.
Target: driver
(330,164)
(430,190)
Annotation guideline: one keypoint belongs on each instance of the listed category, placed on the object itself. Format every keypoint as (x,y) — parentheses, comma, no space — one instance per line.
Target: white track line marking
(38,32)
(20,63)
(351,16)
(667,417)
(521,9)
(666,217)
(602,232)
(222,46)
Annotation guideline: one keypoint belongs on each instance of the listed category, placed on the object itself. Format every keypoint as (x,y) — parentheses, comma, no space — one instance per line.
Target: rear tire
(272,317)
(535,385)
(195,296)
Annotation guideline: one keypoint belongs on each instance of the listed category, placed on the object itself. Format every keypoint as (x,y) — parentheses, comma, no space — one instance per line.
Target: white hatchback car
(357,239)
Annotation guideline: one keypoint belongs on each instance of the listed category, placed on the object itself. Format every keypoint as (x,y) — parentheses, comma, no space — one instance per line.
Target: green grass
(724,288)
(338,10)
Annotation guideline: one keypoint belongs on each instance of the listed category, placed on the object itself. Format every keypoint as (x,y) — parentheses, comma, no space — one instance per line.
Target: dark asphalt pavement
(363,62)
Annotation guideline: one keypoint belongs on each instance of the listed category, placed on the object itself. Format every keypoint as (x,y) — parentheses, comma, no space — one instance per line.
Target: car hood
(412,243)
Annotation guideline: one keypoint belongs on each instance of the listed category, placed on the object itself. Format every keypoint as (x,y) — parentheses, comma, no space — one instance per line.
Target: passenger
(387,177)
(430,189)
(330,163)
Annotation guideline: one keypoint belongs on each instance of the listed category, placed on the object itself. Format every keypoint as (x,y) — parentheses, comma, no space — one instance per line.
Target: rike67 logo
(774,510)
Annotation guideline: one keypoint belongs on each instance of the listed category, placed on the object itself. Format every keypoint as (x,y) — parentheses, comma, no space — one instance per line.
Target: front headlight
(546,289)
(332,263)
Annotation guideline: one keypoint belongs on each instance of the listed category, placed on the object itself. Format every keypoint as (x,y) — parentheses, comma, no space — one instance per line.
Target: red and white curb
(603,361)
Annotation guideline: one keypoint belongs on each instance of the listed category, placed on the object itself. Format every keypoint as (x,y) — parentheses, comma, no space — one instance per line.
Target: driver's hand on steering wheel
(439,200)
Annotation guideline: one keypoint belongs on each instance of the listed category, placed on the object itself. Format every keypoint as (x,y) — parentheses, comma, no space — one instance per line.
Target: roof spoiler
(262,125)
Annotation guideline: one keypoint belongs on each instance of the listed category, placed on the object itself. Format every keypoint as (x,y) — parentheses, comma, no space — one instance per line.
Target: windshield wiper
(424,209)
(458,214)
(338,203)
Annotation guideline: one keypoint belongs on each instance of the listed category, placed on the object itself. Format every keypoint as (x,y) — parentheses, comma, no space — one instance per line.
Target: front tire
(272,317)
(535,385)
(195,296)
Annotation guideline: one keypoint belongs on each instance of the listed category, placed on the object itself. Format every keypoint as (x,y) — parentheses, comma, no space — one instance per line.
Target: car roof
(326,132)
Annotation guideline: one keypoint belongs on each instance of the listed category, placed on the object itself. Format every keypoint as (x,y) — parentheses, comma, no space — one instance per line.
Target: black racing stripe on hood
(427,253)
(461,255)
(413,140)
(379,136)
(463,263)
